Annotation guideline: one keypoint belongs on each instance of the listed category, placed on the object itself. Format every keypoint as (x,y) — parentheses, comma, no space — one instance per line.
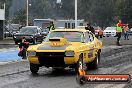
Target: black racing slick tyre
(95,63)
(34,68)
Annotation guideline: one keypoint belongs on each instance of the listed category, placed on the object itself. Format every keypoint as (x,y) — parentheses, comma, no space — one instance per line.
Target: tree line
(99,12)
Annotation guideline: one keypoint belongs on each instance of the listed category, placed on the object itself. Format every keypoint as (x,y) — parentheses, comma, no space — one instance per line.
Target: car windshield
(28,30)
(70,36)
(45,30)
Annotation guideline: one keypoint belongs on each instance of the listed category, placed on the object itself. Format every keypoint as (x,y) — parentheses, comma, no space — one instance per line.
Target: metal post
(27,14)
(4,11)
(2,22)
(75,13)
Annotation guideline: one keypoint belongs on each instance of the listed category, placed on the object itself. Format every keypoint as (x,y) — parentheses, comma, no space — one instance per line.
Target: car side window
(89,37)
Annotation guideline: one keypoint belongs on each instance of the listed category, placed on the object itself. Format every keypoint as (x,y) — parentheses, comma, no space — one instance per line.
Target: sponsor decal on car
(90,54)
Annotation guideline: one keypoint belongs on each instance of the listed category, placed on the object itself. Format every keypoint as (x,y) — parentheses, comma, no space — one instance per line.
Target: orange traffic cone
(81,71)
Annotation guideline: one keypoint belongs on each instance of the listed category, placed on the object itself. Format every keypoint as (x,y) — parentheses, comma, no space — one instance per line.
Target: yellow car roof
(79,30)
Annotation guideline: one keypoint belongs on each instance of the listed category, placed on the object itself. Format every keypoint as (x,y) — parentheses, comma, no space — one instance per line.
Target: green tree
(40,9)
(20,17)
(99,12)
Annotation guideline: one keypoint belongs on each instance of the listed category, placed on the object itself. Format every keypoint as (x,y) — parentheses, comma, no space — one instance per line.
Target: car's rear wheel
(34,68)
(95,63)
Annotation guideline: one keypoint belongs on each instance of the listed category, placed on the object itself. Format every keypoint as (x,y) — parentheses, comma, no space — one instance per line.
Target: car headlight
(30,53)
(69,53)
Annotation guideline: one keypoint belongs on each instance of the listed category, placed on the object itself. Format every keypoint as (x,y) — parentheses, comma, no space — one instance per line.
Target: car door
(89,39)
(93,46)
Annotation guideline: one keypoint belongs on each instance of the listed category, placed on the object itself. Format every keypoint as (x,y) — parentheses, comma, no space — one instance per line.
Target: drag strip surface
(113,61)
(10,54)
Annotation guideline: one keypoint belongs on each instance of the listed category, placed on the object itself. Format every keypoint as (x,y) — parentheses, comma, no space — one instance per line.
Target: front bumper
(109,34)
(51,59)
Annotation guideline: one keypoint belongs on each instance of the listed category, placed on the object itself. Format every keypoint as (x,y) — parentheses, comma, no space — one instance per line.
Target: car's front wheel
(95,63)
(34,68)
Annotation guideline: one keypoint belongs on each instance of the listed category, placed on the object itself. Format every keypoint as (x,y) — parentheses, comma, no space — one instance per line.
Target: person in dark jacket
(23,48)
(51,26)
(90,28)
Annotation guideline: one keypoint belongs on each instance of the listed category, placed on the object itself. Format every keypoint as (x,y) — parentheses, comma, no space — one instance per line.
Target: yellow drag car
(66,48)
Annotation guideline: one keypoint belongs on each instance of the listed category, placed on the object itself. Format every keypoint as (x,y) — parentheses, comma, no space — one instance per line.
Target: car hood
(109,30)
(22,34)
(47,47)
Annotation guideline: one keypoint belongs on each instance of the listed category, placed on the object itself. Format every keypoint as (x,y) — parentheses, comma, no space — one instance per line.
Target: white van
(68,23)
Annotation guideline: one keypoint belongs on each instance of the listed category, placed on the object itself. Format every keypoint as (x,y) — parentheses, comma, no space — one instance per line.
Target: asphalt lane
(9,51)
(10,54)
(112,41)
(17,75)
(114,60)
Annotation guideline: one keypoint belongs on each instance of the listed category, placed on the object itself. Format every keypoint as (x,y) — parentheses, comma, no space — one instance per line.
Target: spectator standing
(126,33)
(119,31)
(51,26)
(90,28)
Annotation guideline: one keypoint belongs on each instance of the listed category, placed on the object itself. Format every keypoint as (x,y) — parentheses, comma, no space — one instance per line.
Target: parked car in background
(130,31)
(109,31)
(7,33)
(11,29)
(45,32)
(31,33)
